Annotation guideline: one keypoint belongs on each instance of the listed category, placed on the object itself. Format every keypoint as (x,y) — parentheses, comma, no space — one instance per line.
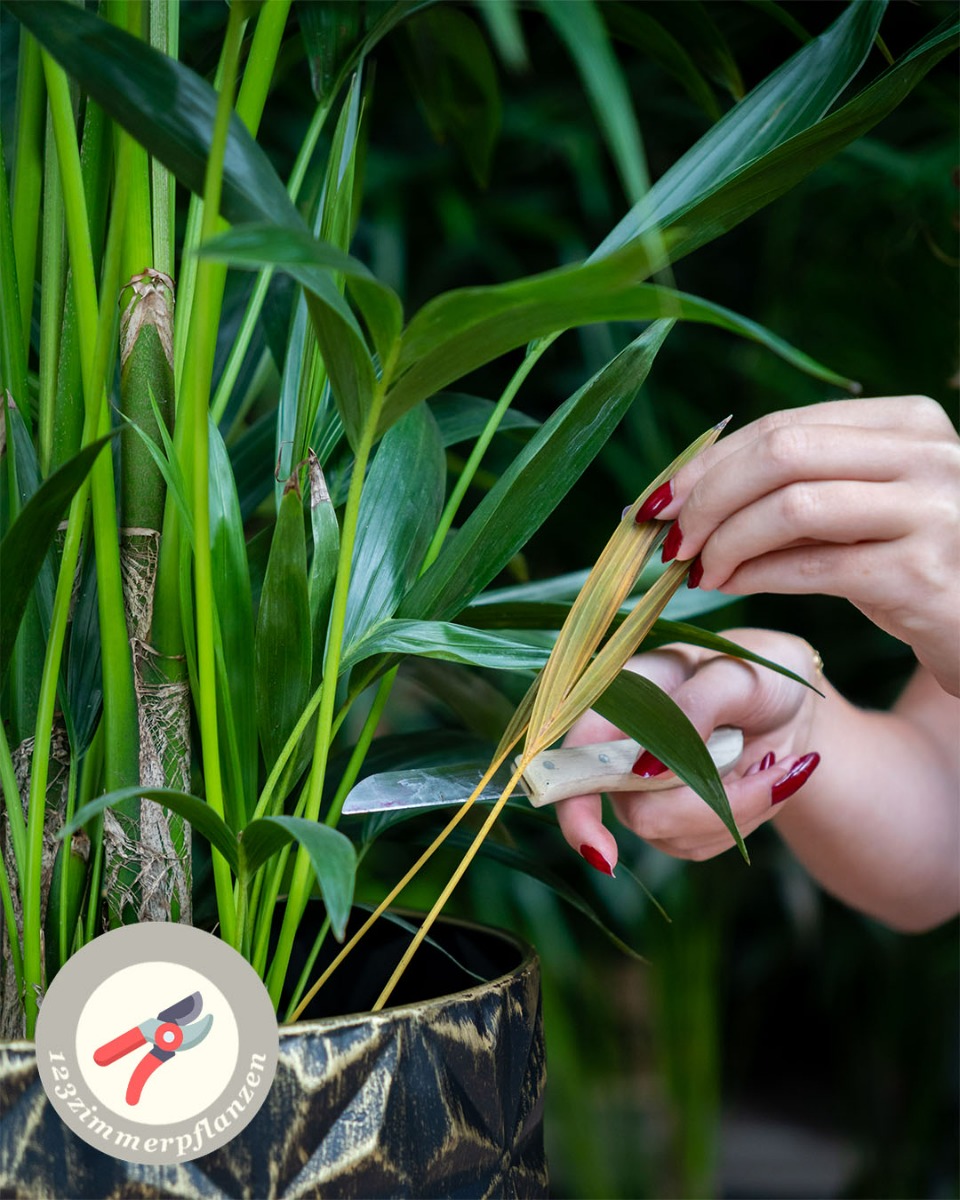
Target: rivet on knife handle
(605,767)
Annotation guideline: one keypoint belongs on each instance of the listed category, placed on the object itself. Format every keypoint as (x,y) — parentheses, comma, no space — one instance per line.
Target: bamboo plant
(217,556)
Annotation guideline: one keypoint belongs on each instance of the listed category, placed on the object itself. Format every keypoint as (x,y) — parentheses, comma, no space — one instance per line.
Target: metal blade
(432,787)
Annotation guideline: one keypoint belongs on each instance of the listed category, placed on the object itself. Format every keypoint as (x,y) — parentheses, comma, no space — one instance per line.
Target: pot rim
(529,961)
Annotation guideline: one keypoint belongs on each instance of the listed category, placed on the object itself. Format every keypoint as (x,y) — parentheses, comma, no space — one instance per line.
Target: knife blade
(553,775)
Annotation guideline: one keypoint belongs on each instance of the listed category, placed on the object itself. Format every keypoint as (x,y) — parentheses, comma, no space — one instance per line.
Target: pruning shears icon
(169,1032)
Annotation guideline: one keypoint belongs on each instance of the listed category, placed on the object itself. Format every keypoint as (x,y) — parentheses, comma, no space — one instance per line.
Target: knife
(551,776)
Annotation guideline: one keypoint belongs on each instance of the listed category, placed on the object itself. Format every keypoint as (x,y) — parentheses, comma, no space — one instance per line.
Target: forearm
(879,823)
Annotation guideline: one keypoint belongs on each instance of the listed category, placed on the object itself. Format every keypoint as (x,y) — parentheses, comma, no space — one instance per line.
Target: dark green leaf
(761,182)
(462,418)
(646,713)
(455,80)
(533,484)
(665,631)
(580,27)
(463,329)
(453,643)
(640,29)
(331,32)
(399,509)
(284,650)
(28,539)
(167,107)
(231,589)
(789,100)
(332,855)
(197,812)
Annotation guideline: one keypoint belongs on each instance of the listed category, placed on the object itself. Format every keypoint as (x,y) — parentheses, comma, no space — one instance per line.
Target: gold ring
(817,663)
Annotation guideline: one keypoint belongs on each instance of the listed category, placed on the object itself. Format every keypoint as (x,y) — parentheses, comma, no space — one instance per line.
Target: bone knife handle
(606,767)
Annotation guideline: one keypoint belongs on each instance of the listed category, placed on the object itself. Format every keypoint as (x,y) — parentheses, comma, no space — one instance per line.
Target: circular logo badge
(157,1043)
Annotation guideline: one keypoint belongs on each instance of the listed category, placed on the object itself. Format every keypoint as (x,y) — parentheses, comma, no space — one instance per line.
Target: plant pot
(430,1097)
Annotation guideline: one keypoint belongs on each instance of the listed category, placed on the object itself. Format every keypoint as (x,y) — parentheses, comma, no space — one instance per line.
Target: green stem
(251,316)
(13,363)
(28,175)
(384,689)
(52,311)
(13,805)
(532,357)
(198,373)
(307,968)
(302,873)
(165,37)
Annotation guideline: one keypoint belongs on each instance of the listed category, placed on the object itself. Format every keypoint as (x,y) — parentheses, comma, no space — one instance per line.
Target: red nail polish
(596,860)
(767,761)
(672,542)
(794,779)
(696,573)
(655,502)
(647,766)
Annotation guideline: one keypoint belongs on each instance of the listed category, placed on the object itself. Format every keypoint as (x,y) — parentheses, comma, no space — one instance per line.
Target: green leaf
(789,100)
(666,631)
(631,24)
(310,262)
(399,509)
(503,25)
(198,813)
(533,484)
(760,182)
(463,329)
(647,714)
(530,862)
(168,108)
(453,643)
(28,539)
(231,589)
(580,27)
(284,649)
(324,562)
(462,418)
(332,855)
(330,32)
(455,80)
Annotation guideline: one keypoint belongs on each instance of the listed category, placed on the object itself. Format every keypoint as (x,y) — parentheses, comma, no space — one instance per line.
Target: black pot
(430,1097)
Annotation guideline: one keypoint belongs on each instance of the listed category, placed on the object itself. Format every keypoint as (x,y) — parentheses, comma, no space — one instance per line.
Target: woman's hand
(776,715)
(854,498)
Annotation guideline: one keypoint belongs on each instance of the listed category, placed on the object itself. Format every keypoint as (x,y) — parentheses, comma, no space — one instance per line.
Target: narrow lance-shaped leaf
(284,653)
(399,509)
(789,100)
(332,856)
(532,485)
(326,553)
(646,713)
(29,538)
(201,816)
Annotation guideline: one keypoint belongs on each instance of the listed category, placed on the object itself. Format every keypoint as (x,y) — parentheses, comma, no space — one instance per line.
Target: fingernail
(764,764)
(795,778)
(655,502)
(672,542)
(596,860)
(647,766)
(695,574)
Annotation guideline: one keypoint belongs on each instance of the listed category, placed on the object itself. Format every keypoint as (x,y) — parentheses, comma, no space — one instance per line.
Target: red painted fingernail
(764,764)
(596,860)
(696,573)
(655,502)
(794,779)
(672,542)
(647,766)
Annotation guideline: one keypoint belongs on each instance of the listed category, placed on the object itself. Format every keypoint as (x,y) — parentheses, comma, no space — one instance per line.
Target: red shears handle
(111,1051)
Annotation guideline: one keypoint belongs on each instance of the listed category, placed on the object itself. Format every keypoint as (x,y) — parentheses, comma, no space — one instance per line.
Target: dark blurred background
(776,1044)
